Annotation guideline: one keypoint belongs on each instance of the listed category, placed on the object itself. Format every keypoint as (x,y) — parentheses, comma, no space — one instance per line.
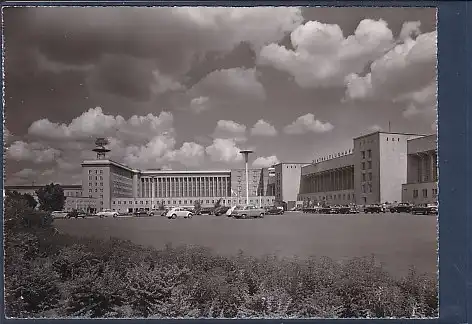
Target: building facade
(378,169)
(287,182)
(329,181)
(121,188)
(75,198)
(421,185)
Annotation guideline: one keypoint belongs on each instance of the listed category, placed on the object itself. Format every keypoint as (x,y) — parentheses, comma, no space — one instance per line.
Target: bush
(51,275)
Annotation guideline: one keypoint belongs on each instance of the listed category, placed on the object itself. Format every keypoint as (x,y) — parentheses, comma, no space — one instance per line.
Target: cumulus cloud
(224,150)
(265,162)
(199,105)
(409,66)
(263,128)
(307,123)
(94,123)
(164,83)
(322,56)
(31,152)
(228,129)
(200,29)
(229,85)
(189,154)
(25,174)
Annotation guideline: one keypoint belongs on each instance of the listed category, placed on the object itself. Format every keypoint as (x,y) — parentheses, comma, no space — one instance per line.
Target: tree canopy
(51,197)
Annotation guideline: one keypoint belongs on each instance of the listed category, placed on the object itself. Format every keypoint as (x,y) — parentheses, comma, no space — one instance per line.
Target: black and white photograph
(220,162)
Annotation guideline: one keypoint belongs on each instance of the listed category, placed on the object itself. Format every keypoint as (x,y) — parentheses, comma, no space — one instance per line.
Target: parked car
(143,212)
(106,213)
(179,212)
(354,209)
(344,209)
(221,210)
(272,210)
(76,214)
(206,211)
(425,209)
(229,212)
(401,208)
(325,210)
(375,208)
(248,211)
(59,214)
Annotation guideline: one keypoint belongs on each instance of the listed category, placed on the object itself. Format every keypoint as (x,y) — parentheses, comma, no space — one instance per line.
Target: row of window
(190,201)
(96,177)
(96,171)
(369,165)
(424,193)
(336,197)
(367,188)
(369,154)
(364,178)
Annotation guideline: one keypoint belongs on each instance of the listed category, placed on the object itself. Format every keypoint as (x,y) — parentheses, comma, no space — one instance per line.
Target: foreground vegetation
(53,275)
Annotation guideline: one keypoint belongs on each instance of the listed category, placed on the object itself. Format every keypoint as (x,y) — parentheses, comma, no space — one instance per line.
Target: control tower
(100,148)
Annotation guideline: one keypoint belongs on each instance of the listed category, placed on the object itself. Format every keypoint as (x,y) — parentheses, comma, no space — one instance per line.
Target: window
(363,154)
(208,201)
(114,202)
(130,202)
(101,184)
(90,184)
(363,177)
(96,190)
(90,171)
(369,164)
(370,187)
(363,165)
(90,177)
(141,202)
(96,171)
(425,193)
(415,193)
(96,178)
(101,171)
(370,176)
(180,202)
(369,153)
(435,192)
(101,177)
(363,188)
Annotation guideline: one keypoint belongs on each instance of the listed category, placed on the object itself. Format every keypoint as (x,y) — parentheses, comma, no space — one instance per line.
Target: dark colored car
(401,208)
(344,209)
(335,210)
(141,212)
(76,214)
(374,209)
(206,211)
(274,211)
(325,210)
(220,210)
(425,209)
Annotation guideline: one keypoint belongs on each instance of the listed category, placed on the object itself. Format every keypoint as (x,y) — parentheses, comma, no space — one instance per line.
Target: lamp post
(246,158)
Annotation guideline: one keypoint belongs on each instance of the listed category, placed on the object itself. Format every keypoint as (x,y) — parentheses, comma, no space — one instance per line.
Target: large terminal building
(381,167)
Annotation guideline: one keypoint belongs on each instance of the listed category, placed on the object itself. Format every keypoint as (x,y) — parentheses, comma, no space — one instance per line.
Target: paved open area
(397,240)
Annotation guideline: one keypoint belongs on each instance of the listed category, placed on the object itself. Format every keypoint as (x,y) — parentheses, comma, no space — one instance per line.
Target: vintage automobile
(425,209)
(143,212)
(374,208)
(59,214)
(106,213)
(179,212)
(229,212)
(205,211)
(346,209)
(401,208)
(273,210)
(220,210)
(76,214)
(248,211)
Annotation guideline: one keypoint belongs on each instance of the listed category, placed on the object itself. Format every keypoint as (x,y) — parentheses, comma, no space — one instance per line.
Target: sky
(186,88)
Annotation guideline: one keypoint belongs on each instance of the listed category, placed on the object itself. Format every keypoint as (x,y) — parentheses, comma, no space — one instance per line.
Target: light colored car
(248,211)
(106,213)
(229,212)
(59,214)
(179,212)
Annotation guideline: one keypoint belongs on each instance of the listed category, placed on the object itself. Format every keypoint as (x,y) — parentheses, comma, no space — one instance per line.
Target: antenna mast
(100,148)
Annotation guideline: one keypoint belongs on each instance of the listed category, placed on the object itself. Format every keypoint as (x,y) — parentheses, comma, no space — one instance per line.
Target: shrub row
(52,275)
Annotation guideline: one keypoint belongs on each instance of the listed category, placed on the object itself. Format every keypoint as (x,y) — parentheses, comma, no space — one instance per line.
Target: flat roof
(144,172)
(13,187)
(393,133)
(98,162)
(424,136)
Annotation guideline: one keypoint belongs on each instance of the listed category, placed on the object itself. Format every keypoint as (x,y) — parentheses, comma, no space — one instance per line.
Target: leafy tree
(30,200)
(51,197)
(197,205)
(218,203)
